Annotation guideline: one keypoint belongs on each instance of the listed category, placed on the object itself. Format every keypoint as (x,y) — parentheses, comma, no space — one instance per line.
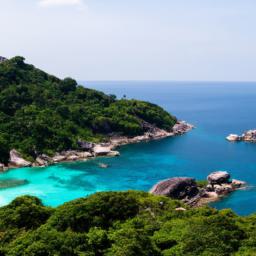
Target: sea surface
(216,109)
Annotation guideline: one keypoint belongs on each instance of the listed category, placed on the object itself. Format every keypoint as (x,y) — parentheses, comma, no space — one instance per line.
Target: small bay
(216,109)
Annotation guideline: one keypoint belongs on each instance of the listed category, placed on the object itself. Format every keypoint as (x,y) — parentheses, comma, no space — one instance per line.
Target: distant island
(44,119)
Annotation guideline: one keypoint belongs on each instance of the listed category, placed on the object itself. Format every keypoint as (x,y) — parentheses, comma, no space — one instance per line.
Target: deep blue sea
(216,109)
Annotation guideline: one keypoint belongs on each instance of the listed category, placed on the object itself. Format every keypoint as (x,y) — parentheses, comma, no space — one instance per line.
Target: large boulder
(233,137)
(100,150)
(249,136)
(177,188)
(83,155)
(2,167)
(113,153)
(72,157)
(237,183)
(43,160)
(84,145)
(59,158)
(17,160)
(218,177)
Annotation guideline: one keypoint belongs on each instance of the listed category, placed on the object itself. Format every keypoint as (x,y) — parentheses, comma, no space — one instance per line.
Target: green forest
(40,113)
(122,224)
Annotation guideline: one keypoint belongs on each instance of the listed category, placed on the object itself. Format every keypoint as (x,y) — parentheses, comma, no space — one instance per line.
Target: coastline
(92,150)
(206,194)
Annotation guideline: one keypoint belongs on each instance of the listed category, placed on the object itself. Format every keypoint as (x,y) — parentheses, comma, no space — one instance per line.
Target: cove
(216,109)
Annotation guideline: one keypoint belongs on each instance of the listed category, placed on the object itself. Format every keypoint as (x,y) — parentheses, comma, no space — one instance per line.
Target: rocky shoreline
(217,186)
(249,136)
(89,150)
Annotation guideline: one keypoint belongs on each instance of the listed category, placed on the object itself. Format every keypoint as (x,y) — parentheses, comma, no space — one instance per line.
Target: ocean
(215,108)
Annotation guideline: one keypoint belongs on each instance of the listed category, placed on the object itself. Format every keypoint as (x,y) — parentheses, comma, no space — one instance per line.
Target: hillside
(122,224)
(40,113)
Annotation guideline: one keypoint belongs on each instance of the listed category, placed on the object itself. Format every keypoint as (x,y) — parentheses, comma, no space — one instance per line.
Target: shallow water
(217,109)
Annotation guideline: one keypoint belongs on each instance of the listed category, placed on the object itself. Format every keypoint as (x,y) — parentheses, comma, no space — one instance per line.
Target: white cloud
(52,3)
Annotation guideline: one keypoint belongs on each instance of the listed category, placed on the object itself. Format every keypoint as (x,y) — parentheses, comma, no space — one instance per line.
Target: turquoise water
(217,109)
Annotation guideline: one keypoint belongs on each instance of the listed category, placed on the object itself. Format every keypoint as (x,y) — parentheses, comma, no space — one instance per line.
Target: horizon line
(173,81)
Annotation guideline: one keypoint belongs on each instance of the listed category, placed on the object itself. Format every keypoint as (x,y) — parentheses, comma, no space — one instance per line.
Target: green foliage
(122,224)
(40,113)
(202,183)
(24,212)
(82,214)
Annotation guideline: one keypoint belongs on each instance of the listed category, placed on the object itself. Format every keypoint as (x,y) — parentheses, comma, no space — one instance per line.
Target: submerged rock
(177,188)
(104,166)
(10,183)
(16,159)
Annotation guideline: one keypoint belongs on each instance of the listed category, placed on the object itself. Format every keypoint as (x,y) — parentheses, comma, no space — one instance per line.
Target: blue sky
(213,40)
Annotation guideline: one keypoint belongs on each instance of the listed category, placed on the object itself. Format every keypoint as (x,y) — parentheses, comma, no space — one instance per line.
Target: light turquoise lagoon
(216,109)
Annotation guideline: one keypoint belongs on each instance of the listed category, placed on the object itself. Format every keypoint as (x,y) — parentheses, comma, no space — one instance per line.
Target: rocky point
(187,189)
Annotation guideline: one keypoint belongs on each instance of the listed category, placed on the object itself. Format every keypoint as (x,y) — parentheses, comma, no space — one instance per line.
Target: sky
(186,40)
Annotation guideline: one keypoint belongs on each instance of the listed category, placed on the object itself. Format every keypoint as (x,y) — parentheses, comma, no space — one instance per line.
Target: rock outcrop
(58,158)
(233,137)
(113,153)
(101,150)
(85,146)
(88,149)
(43,160)
(16,160)
(152,133)
(177,188)
(104,150)
(71,155)
(249,136)
(187,190)
(181,127)
(218,177)
(237,183)
(2,167)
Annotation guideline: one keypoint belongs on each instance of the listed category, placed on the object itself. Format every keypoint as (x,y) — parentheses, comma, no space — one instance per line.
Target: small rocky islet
(195,194)
(248,136)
